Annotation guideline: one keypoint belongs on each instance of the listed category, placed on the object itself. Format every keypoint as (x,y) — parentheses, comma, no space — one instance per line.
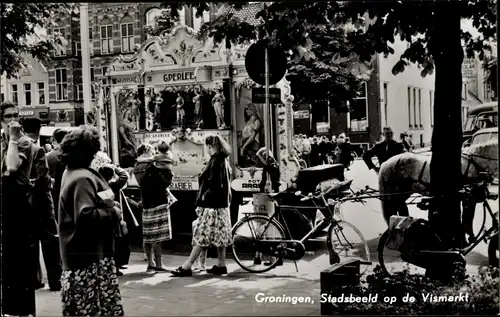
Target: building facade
(29,90)
(114,29)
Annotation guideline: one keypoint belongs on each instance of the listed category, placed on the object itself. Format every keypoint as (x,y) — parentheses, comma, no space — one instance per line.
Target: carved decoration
(247,83)
(183,52)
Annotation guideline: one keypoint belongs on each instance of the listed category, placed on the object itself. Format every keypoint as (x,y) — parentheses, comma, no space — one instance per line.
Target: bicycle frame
(323,224)
(484,235)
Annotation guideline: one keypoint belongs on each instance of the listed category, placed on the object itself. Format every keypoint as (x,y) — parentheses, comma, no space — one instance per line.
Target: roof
(248,13)
(488,106)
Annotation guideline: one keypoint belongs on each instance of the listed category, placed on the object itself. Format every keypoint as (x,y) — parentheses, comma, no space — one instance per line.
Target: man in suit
(383,150)
(56,166)
(42,201)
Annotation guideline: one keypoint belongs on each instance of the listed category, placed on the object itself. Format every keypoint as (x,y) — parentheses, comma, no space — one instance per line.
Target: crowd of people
(67,196)
(318,150)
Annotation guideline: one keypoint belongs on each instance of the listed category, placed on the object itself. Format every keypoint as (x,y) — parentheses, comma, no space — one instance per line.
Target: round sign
(255,63)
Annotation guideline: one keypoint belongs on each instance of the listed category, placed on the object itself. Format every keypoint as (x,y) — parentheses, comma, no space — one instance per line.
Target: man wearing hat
(403,136)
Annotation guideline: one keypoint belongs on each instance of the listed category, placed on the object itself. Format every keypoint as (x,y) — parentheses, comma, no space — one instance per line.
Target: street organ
(179,89)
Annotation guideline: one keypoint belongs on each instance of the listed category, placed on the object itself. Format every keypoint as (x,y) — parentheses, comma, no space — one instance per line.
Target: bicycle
(268,237)
(421,257)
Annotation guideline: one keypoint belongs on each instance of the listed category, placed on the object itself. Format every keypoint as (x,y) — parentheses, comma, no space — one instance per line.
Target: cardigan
(214,191)
(86,226)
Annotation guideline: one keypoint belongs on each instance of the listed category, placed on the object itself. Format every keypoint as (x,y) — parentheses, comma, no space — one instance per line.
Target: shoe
(257,261)
(218,270)
(180,272)
(119,273)
(199,269)
(161,270)
(123,267)
(151,270)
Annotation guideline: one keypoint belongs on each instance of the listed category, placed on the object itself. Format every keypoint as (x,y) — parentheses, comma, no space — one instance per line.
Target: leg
(389,208)
(148,250)
(157,247)
(221,259)
(468,211)
(195,253)
(52,259)
(202,260)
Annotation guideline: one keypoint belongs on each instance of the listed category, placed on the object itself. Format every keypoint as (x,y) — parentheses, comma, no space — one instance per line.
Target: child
(165,156)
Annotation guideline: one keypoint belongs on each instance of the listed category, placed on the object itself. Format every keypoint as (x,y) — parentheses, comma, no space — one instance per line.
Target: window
(464,92)
(27,94)
(358,117)
(104,77)
(420,107)
(92,80)
(77,48)
(409,108)
(62,50)
(152,16)
(91,42)
(127,37)
(92,75)
(431,103)
(61,84)
(79,92)
(415,108)
(385,103)
(14,94)
(182,16)
(40,88)
(107,39)
(198,22)
(3,97)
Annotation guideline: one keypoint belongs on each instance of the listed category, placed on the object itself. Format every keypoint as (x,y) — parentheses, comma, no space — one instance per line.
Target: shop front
(41,113)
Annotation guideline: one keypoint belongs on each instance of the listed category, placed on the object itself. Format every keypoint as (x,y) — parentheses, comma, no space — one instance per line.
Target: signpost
(268,73)
(259,95)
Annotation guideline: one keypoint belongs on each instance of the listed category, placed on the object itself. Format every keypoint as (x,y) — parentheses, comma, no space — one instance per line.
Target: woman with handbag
(88,218)
(212,201)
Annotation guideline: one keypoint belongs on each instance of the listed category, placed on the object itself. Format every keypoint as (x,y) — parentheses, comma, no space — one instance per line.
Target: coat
(214,184)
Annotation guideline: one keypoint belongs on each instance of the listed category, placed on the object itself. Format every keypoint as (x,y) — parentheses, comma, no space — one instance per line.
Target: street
(235,293)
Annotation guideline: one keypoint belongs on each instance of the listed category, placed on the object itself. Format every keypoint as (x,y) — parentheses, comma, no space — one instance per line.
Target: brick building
(114,29)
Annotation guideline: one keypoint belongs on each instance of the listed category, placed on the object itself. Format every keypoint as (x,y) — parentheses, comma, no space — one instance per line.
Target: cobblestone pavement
(207,295)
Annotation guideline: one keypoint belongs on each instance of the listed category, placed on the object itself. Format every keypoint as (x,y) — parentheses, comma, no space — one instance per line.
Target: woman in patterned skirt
(88,217)
(212,201)
(153,178)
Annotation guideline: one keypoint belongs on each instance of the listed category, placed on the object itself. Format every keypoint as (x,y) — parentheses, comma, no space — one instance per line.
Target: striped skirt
(156,224)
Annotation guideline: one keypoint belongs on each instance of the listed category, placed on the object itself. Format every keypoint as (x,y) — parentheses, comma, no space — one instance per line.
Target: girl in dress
(212,201)
(181,113)
(198,111)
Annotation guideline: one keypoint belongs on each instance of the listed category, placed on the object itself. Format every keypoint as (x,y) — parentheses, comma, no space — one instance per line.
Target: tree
(323,77)
(23,28)
(491,68)
(436,44)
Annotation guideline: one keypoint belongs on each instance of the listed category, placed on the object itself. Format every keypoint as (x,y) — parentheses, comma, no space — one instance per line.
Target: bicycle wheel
(348,242)
(245,234)
(390,260)
(493,251)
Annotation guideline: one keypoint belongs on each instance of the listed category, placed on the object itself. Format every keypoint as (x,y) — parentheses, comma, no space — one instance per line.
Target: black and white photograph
(288,158)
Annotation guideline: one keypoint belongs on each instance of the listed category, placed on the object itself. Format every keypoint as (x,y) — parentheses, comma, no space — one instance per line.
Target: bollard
(337,276)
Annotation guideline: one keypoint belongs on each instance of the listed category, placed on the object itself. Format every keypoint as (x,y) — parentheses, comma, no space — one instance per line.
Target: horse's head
(480,158)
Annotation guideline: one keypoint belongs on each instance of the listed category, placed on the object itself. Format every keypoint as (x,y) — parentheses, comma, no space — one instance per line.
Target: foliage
(23,25)
(482,291)
(491,68)
(315,71)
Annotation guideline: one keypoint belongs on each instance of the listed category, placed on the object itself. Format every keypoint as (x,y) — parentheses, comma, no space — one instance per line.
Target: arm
(88,211)
(122,177)
(367,157)
(17,152)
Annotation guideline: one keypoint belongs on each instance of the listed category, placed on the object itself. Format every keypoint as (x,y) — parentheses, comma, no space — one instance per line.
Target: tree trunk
(445,167)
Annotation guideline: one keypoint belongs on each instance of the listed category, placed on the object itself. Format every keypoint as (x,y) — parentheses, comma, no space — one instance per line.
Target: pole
(84,40)
(267,116)
(114,128)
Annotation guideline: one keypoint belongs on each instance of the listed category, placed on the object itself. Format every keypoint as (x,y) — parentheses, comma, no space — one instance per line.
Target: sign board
(259,95)
(301,114)
(255,63)
(127,80)
(26,113)
(184,184)
(322,127)
(469,70)
(246,185)
(178,76)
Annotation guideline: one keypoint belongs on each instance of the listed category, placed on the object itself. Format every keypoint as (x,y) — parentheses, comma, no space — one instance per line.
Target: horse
(409,173)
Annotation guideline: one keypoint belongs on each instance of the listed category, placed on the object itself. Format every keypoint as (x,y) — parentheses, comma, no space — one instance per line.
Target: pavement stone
(206,295)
